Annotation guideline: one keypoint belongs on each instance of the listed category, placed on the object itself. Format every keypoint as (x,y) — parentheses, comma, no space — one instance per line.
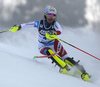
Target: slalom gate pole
(45,56)
(78,48)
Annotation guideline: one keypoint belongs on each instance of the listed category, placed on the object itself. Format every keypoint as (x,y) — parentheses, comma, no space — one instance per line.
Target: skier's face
(50,18)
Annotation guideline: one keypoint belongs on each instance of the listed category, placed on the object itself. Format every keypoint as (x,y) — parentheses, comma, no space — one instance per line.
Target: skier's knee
(47,51)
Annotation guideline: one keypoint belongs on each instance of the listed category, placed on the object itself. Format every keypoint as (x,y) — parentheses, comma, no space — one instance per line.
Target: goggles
(51,16)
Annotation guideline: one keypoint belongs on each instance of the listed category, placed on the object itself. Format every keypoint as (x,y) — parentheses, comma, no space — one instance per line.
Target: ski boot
(64,68)
(85,77)
(80,69)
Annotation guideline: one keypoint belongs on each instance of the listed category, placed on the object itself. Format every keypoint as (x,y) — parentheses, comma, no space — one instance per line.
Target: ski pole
(5,31)
(78,48)
(55,37)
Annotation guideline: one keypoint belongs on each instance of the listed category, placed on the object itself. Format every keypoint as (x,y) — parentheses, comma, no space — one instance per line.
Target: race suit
(43,42)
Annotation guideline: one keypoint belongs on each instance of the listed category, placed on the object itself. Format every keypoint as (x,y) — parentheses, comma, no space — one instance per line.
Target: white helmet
(50,9)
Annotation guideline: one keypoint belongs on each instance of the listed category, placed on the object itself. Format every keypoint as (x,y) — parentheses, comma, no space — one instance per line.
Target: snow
(19,69)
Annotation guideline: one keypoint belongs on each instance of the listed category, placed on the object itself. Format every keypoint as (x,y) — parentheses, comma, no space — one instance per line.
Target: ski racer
(47,45)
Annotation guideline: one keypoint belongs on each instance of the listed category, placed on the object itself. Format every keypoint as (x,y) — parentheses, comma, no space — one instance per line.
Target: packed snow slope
(19,69)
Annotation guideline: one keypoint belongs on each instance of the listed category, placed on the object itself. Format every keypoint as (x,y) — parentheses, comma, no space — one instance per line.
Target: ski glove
(51,35)
(15,28)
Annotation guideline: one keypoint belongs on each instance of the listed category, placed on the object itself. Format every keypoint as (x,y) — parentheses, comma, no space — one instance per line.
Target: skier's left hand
(51,35)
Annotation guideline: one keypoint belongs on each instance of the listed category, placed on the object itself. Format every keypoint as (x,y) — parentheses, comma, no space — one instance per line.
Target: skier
(47,45)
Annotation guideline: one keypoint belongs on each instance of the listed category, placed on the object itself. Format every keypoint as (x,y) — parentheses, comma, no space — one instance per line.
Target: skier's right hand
(15,28)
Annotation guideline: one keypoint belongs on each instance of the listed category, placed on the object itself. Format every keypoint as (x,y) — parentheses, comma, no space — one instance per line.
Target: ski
(45,56)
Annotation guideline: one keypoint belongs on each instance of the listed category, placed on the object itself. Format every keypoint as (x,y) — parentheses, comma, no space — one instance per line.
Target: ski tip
(34,57)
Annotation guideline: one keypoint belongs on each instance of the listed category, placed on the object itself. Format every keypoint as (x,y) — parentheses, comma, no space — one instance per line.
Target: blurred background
(71,13)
